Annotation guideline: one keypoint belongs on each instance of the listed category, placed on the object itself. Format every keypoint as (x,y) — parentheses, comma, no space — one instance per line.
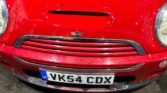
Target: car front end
(84,46)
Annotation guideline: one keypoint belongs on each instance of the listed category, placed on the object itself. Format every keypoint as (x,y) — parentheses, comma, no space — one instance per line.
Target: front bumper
(113,88)
(144,68)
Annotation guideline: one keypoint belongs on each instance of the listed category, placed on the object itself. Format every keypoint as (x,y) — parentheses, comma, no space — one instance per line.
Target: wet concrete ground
(9,84)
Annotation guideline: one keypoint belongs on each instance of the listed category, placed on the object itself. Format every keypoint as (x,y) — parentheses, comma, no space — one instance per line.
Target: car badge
(76,34)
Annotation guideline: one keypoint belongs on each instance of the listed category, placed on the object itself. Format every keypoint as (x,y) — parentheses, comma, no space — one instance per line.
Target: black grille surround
(98,47)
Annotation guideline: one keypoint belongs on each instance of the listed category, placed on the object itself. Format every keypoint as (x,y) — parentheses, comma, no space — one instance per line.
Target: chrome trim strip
(74,70)
(116,87)
(138,47)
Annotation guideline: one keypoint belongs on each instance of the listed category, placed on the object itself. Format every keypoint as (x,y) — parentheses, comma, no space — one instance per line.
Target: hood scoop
(64,21)
(81,13)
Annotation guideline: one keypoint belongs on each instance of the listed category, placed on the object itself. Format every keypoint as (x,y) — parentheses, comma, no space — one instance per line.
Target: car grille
(80,47)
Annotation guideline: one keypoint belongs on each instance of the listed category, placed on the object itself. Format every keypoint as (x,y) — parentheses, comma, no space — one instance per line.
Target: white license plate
(77,78)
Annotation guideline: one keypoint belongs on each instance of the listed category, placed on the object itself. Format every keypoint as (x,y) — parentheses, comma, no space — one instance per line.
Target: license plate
(87,79)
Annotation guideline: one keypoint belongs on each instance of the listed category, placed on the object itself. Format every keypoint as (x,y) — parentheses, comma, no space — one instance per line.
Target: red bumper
(151,61)
(149,64)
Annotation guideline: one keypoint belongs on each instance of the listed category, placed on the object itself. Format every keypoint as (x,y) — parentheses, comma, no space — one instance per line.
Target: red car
(84,45)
